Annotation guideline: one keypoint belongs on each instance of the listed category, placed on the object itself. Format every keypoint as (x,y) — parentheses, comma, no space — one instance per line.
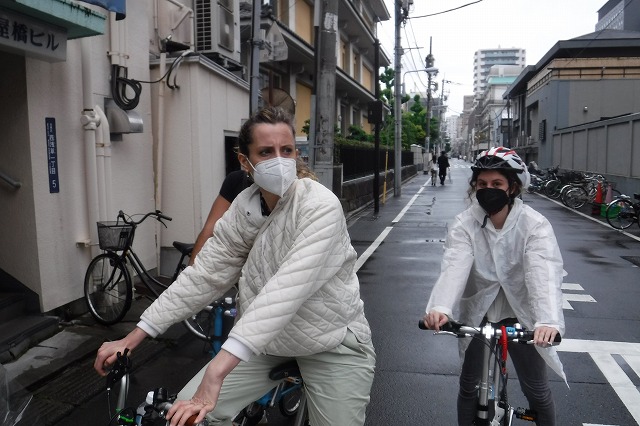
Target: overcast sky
(534,25)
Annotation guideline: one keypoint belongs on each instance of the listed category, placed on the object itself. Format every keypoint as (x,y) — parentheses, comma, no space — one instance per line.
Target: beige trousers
(337,382)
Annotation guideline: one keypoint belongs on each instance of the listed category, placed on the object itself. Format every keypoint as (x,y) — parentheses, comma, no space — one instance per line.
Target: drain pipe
(160,155)
(103,152)
(89,121)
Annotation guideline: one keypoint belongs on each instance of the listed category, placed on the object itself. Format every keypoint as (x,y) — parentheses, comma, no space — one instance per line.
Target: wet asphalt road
(416,377)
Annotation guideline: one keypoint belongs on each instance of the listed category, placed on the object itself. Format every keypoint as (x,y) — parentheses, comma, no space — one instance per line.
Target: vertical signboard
(52,154)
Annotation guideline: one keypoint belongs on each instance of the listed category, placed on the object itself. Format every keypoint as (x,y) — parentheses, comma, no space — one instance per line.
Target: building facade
(619,15)
(578,108)
(143,113)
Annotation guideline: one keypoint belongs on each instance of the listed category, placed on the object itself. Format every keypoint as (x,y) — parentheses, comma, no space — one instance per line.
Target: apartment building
(484,59)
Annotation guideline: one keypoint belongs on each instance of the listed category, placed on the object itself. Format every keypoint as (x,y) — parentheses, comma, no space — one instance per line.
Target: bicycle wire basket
(114,235)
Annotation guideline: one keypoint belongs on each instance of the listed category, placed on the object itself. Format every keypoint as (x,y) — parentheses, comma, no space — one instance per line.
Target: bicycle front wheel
(291,398)
(107,289)
(202,324)
(620,214)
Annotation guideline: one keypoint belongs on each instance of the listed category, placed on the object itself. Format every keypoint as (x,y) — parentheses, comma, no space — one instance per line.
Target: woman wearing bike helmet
(502,262)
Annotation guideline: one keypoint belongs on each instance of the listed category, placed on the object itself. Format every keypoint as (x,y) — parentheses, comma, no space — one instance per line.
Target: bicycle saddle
(288,369)
(184,248)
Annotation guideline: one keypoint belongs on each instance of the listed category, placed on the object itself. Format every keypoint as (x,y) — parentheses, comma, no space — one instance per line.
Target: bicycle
(622,212)
(288,394)
(577,195)
(493,405)
(149,413)
(214,323)
(108,285)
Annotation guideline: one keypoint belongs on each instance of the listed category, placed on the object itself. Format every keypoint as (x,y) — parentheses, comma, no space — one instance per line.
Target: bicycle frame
(493,406)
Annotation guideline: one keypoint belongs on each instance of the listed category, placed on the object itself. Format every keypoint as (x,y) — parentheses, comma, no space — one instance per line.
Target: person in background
(502,263)
(233,184)
(443,165)
(434,170)
(285,241)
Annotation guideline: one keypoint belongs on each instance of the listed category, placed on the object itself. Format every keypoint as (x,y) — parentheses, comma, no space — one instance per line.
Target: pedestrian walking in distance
(443,165)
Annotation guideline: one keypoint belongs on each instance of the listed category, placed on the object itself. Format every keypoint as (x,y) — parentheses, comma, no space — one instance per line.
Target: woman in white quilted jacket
(284,240)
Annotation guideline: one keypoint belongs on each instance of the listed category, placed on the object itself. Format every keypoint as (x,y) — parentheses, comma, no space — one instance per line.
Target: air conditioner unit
(218,29)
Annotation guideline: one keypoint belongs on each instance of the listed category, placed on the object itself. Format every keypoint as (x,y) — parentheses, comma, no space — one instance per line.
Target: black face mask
(492,200)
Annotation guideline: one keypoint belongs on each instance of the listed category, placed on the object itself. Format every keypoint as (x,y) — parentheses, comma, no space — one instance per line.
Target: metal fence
(358,162)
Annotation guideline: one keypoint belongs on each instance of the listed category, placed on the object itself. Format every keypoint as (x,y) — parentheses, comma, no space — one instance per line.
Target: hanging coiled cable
(122,86)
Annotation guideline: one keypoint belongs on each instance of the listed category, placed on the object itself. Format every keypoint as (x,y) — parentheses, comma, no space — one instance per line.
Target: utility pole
(377,124)
(429,62)
(397,169)
(256,44)
(325,116)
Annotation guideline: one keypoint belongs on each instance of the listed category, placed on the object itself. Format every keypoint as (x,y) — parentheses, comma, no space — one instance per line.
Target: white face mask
(275,174)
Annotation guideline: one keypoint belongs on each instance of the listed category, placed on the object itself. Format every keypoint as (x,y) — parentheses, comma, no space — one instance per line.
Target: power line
(445,11)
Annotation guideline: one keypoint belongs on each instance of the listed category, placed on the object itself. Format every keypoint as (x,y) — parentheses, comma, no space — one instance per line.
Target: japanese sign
(30,37)
(52,154)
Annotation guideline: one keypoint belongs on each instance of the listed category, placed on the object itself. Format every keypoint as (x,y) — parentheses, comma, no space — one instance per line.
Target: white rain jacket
(523,258)
(298,290)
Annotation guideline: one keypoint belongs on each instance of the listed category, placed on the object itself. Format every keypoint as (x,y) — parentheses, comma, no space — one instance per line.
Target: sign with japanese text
(30,37)
(52,154)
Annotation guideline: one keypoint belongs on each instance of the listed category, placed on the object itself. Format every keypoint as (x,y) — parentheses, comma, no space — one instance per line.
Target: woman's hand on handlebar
(544,336)
(108,352)
(434,320)
(206,397)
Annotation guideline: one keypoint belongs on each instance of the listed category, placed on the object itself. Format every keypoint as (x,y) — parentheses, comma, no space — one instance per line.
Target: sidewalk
(58,373)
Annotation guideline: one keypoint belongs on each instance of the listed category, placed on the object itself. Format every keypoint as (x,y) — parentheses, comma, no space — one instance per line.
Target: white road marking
(363,258)
(601,352)
(566,298)
(572,297)
(409,204)
(572,286)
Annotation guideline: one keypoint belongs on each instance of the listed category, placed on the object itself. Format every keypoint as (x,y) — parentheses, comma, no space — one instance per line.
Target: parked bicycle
(538,181)
(493,404)
(554,185)
(108,284)
(576,195)
(622,212)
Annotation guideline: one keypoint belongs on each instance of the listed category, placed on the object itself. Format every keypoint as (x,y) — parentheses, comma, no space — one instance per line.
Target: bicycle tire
(576,197)
(253,413)
(290,401)
(201,324)
(620,213)
(107,289)
(552,189)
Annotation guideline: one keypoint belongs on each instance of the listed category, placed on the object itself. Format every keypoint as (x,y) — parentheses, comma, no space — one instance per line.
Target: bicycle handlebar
(158,215)
(515,332)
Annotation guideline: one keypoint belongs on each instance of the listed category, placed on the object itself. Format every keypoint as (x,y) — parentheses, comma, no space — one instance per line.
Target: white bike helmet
(501,158)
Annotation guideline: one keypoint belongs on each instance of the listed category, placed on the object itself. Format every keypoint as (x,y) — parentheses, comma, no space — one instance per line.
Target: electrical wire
(445,11)
(121,85)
